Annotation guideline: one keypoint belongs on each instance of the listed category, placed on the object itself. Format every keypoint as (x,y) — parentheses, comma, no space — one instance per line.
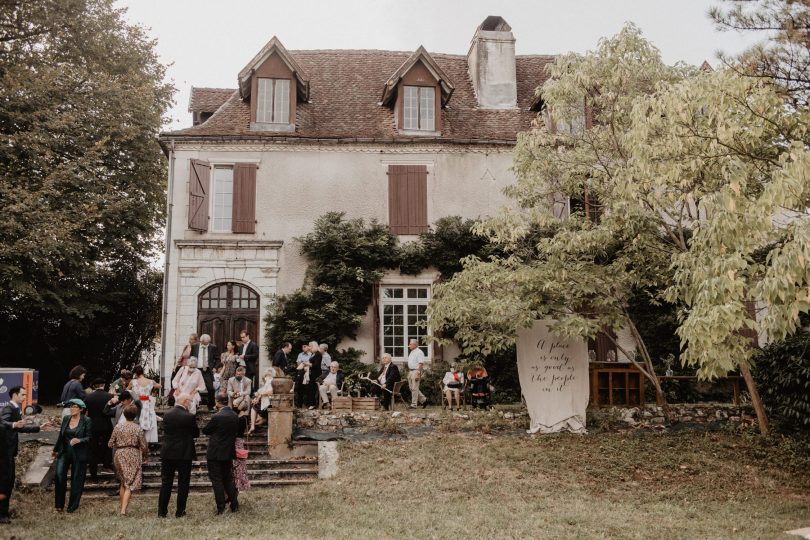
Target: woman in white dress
(452,385)
(261,401)
(189,381)
(141,388)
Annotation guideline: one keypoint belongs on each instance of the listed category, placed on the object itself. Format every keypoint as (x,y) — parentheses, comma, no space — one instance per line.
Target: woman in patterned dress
(141,388)
(230,361)
(239,469)
(131,450)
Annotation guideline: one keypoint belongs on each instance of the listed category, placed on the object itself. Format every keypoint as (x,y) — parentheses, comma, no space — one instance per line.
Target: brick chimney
(491,61)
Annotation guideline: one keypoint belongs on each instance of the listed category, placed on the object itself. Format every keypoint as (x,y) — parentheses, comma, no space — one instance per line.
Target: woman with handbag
(70,451)
(239,469)
(131,450)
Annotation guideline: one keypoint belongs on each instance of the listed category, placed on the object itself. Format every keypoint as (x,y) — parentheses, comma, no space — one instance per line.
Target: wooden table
(735,383)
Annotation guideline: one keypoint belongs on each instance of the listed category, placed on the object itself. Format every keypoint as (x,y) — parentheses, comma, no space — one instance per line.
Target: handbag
(241,453)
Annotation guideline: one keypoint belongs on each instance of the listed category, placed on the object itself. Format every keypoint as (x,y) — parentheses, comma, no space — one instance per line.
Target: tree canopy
(81,173)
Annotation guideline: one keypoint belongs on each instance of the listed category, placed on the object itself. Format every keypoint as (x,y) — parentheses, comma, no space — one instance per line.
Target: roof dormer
(273,82)
(418,90)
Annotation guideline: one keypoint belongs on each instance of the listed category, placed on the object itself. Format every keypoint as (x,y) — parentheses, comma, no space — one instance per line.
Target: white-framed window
(419,108)
(403,316)
(222,201)
(273,105)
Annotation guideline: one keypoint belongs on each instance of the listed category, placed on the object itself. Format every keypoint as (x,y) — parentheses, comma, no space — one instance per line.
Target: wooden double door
(224,310)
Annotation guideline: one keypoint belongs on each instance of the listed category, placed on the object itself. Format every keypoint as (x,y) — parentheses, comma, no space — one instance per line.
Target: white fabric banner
(553,376)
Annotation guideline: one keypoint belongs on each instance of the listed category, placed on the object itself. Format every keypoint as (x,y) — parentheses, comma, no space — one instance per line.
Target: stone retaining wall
(613,418)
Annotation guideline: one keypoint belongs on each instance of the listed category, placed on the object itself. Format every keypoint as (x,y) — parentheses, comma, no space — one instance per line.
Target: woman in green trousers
(70,450)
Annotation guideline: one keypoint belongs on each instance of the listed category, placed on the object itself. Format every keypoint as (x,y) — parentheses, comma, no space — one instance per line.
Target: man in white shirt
(304,355)
(326,358)
(416,363)
(329,383)
(239,386)
(207,359)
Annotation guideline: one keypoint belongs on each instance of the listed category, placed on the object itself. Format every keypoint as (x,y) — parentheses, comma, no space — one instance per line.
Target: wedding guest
(70,451)
(302,365)
(73,389)
(207,357)
(326,358)
(189,380)
(222,430)
(249,354)
(416,364)
(238,386)
(239,469)
(186,354)
(230,361)
(452,383)
(261,402)
(386,378)
(176,454)
(329,383)
(99,451)
(131,450)
(115,407)
(141,389)
(11,424)
(280,358)
(122,382)
(311,376)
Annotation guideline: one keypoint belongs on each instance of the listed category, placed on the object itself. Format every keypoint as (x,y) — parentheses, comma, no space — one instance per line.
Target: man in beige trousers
(416,363)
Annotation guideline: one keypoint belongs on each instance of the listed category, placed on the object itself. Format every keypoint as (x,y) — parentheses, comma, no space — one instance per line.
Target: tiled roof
(345,88)
(208,100)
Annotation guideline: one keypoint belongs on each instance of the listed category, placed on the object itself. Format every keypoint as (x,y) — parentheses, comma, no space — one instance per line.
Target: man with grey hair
(326,358)
(207,359)
(416,363)
(386,378)
(329,383)
(177,451)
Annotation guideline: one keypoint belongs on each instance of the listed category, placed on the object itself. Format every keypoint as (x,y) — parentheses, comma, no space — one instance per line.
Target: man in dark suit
(12,424)
(280,358)
(221,431)
(176,454)
(386,377)
(100,430)
(207,357)
(250,354)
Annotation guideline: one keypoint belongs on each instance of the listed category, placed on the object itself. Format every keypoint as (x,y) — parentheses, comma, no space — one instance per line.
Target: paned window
(273,106)
(403,317)
(419,108)
(223,199)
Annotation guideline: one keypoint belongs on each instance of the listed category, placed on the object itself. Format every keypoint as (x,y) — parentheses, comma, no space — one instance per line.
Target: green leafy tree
(81,173)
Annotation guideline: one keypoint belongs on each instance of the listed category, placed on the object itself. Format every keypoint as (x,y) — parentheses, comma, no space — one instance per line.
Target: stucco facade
(296,183)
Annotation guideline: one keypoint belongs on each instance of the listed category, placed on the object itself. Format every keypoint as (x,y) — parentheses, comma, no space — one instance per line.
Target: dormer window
(417,92)
(273,106)
(420,108)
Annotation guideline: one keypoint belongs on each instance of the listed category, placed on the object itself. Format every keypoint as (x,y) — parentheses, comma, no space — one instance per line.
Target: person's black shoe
(424,404)
(5,519)
(161,515)
(220,512)
(234,508)
(180,514)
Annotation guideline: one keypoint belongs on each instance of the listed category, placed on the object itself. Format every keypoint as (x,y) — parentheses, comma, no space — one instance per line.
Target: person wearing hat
(102,428)
(70,450)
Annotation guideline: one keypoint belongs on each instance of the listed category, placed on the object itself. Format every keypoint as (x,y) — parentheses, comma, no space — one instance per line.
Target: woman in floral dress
(230,361)
(131,450)
(239,470)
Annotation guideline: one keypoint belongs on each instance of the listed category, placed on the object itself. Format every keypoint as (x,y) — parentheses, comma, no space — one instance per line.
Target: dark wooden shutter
(198,185)
(244,198)
(407,199)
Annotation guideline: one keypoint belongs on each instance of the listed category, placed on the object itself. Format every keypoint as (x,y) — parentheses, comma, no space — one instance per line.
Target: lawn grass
(451,485)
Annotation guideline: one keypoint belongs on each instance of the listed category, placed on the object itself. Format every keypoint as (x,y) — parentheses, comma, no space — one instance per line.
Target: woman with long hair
(131,450)
(230,361)
(73,389)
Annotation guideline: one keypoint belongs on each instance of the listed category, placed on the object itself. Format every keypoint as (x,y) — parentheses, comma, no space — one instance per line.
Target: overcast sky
(207,42)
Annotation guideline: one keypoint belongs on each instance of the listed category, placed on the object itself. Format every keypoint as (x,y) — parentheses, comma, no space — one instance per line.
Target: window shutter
(407,199)
(198,186)
(244,198)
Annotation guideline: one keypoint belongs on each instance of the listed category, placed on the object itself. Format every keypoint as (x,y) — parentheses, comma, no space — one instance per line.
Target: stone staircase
(263,470)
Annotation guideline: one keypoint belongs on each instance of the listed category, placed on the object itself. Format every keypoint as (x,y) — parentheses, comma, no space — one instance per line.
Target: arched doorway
(225,309)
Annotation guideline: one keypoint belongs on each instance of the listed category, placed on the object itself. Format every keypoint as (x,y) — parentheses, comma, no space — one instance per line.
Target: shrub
(782,372)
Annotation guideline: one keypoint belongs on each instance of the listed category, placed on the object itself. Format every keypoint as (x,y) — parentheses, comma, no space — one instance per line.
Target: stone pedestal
(280,426)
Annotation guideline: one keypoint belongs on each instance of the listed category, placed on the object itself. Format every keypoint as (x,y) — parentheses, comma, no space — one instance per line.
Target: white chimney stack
(491,61)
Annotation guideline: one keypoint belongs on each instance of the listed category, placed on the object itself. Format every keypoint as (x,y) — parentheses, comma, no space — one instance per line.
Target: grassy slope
(642,485)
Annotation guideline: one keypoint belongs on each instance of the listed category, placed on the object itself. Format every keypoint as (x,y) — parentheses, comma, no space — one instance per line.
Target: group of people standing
(316,375)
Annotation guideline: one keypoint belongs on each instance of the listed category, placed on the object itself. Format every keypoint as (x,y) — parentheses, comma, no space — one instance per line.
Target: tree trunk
(647,370)
(756,401)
